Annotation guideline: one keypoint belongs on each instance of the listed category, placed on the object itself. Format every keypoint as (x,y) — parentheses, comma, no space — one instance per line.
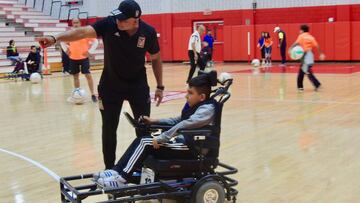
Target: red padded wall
(355,45)
(338,39)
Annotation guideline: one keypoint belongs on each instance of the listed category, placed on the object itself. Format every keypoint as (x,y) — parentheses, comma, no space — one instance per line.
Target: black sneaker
(93,98)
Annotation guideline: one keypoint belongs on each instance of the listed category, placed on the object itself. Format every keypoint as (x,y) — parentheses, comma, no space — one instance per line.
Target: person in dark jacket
(205,55)
(33,60)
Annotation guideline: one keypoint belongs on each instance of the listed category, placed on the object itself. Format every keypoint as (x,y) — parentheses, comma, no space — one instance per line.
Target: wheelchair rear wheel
(209,192)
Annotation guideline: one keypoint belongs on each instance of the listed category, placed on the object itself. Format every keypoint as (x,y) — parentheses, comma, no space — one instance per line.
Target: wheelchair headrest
(210,75)
(222,92)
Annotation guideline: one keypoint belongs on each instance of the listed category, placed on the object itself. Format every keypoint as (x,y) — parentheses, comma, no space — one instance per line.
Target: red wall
(337,39)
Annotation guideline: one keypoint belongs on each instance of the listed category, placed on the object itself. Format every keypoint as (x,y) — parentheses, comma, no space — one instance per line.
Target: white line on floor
(35,163)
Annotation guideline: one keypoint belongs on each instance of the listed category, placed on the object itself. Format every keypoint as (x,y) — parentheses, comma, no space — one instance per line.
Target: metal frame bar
(87,15)
(61,9)
(52,4)
(72,9)
(154,190)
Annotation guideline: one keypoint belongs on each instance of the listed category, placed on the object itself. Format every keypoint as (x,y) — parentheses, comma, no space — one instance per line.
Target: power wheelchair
(202,180)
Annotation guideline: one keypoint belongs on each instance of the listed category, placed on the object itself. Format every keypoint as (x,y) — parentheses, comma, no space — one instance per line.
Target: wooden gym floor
(288,146)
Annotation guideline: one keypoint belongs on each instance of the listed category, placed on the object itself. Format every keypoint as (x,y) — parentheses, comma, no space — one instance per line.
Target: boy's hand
(322,57)
(155,144)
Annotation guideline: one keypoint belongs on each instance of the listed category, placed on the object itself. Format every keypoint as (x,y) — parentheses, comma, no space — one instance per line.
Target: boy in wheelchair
(199,111)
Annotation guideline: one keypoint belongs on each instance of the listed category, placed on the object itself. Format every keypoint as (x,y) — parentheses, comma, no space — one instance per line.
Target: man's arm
(68,36)
(156,64)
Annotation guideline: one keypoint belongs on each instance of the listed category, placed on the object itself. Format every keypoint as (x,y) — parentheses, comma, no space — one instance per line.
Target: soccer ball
(223,77)
(296,53)
(78,96)
(255,62)
(35,78)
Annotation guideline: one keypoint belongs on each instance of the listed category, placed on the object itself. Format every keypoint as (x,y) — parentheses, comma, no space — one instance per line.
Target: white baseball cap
(276,29)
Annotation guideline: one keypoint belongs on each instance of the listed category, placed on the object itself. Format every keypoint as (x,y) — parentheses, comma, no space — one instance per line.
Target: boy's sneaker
(300,89)
(112,182)
(93,98)
(105,174)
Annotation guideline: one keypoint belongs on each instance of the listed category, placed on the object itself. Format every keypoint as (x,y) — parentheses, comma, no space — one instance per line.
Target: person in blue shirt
(210,40)
(260,45)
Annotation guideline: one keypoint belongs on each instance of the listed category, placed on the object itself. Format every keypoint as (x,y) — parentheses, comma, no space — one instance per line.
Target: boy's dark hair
(10,42)
(267,35)
(33,46)
(304,28)
(202,83)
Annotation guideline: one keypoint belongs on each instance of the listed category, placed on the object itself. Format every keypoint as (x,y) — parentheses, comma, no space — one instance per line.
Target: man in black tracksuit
(126,40)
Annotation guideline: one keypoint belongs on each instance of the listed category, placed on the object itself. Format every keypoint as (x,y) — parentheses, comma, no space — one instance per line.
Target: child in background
(307,42)
(268,49)
(205,55)
(12,53)
(33,60)
(260,45)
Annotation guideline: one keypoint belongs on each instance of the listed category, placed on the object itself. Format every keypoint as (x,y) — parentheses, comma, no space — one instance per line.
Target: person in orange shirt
(307,42)
(268,49)
(79,52)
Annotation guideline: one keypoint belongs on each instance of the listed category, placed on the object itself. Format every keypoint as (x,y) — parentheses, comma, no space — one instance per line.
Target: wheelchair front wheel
(209,192)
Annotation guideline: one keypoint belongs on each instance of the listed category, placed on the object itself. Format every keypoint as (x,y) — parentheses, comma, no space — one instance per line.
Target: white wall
(104,7)
(301,3)
(176,6)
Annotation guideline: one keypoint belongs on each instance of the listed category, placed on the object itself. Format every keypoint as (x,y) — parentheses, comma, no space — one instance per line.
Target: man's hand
(46,41)
(195,57)
(155,144)
(158,96)
(322,57)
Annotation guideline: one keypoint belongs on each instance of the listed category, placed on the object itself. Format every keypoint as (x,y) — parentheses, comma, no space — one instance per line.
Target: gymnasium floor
(288,146)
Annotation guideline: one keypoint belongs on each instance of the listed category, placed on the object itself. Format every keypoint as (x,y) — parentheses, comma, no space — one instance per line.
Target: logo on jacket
(141,42)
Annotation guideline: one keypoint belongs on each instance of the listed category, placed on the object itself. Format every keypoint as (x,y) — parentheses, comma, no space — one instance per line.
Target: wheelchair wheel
(209,192)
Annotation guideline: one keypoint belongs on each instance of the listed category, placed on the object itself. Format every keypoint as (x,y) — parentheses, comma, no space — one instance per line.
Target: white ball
(255,62)
(296,53)
(224,76)
(35,77)
(79,96)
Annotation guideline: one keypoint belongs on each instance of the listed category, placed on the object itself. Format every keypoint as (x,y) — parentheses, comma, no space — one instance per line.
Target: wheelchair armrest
(195,131)
(159,127)
(198,134)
